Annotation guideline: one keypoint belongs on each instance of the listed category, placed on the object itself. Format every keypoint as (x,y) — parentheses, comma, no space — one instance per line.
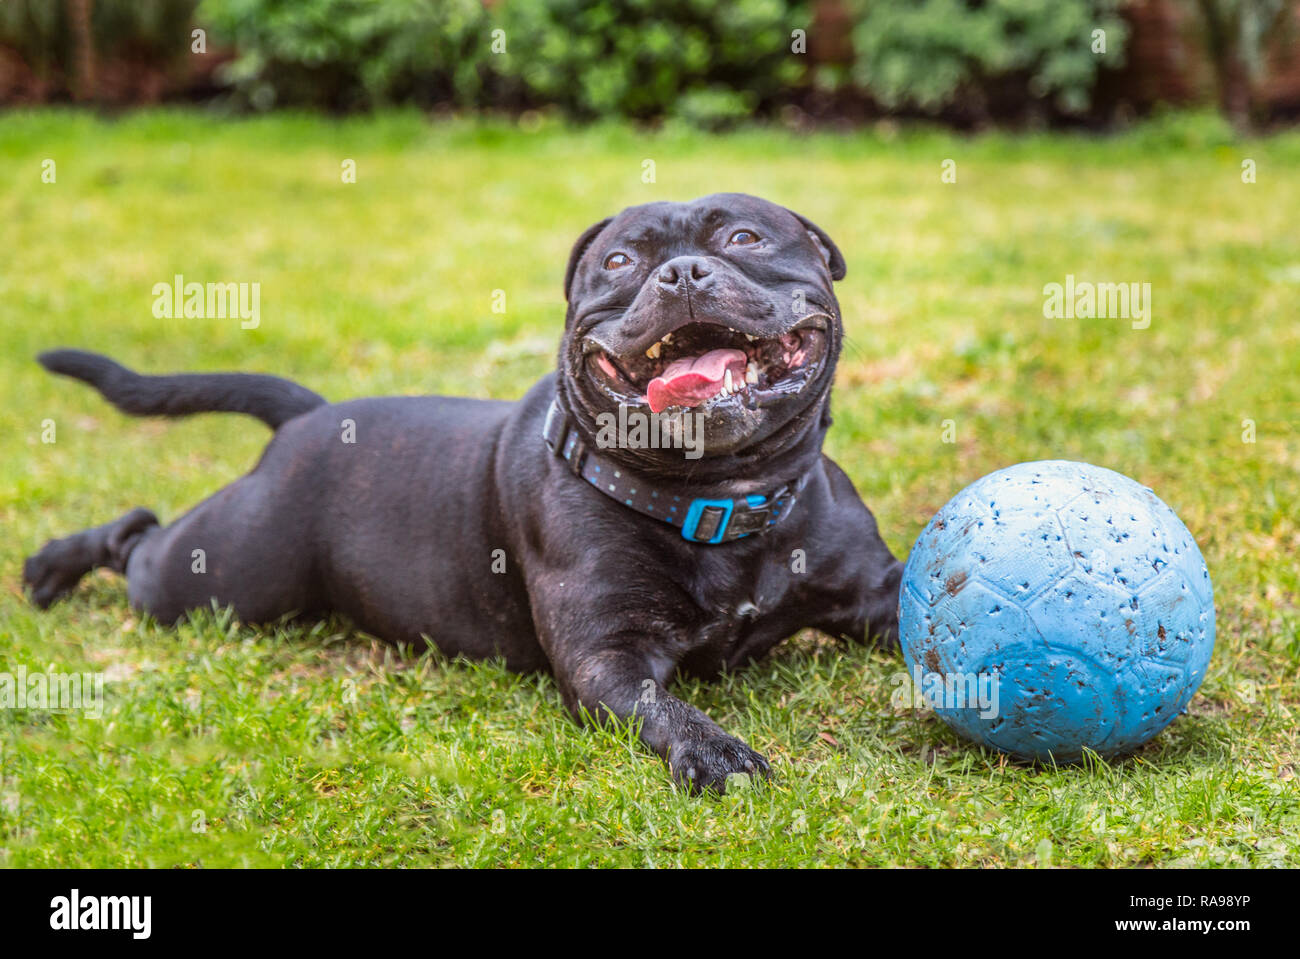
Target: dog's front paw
(702,758)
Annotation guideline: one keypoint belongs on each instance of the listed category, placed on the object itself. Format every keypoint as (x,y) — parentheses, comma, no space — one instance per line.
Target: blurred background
(710,63)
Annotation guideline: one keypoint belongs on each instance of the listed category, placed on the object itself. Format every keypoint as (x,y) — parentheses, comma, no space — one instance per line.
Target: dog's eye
(743,238)
(617,261)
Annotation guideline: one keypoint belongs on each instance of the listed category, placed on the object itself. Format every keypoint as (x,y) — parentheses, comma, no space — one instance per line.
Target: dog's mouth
(706,363)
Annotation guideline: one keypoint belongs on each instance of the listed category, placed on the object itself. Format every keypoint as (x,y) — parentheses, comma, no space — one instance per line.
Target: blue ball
(1054,606)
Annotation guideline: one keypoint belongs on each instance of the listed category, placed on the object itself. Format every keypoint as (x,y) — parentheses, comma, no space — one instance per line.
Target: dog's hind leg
(248,546)
(242,547)
(61,563)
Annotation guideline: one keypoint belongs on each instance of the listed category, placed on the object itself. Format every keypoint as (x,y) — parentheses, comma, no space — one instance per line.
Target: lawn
(224,744)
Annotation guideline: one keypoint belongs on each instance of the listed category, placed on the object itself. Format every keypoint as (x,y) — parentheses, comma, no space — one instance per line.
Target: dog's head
(721,307)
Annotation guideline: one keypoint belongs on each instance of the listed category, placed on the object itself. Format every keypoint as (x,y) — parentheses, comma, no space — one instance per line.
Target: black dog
(514,529)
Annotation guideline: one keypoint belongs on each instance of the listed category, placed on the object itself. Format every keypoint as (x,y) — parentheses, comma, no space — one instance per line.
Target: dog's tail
(271,399)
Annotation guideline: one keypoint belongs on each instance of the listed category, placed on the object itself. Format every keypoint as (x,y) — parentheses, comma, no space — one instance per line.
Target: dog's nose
(695,269)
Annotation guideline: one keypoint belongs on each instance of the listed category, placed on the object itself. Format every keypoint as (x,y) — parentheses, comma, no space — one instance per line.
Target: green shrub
(933,54)
(352,54)
(710,61)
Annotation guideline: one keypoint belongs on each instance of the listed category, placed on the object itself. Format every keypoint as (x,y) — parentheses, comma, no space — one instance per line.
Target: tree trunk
(83,39)
(1236,96)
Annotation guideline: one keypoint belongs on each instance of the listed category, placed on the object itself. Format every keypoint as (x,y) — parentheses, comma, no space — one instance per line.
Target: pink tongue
(693,379)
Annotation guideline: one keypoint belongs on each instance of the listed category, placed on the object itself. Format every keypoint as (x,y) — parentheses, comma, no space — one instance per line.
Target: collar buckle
(713,515)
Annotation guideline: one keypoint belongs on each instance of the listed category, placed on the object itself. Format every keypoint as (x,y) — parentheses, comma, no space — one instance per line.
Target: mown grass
(223,744)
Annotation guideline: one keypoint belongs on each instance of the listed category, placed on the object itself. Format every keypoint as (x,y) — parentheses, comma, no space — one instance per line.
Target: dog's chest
(744,613)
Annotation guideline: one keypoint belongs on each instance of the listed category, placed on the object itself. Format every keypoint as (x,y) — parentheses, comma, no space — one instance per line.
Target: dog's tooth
(750,337)
(751,373)
(653,352)
(668,338)
(726,380)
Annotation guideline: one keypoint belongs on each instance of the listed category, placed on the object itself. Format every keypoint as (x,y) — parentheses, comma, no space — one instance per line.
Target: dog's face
(721,306)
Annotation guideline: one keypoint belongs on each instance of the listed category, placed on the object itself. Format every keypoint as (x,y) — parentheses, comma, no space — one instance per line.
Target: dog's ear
(580,248)
(830,252)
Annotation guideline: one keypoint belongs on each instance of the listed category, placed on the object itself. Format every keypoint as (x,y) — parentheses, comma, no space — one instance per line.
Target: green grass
(315,747)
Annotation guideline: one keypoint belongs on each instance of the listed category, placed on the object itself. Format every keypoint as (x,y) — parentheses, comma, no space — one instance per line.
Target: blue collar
(700,519)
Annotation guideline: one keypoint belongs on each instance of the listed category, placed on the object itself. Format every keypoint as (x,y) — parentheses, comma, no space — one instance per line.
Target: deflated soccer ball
(1054,606)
